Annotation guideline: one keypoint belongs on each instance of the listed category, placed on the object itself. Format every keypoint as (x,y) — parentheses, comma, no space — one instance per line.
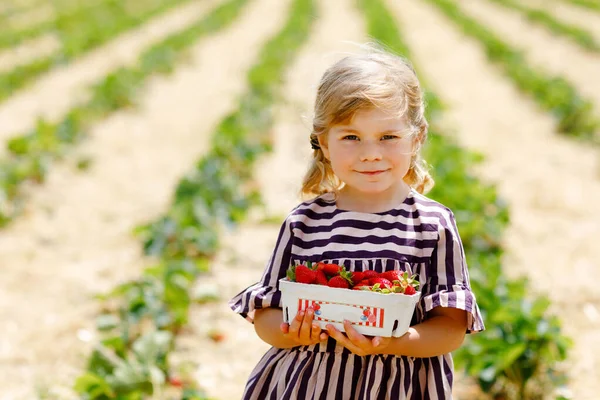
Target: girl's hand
(357,343)
(302,330)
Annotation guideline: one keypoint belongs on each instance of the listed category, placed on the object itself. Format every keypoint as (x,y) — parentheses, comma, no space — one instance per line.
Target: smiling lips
(370,173)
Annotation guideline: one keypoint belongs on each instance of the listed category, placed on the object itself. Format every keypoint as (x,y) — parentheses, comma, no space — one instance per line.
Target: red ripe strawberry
(357,276)
(174,381)
(363,285)
(410,290)
(305,274)
(390,275)
(383,283)
(321,278)
(329,269)
(370,274)
(339,282)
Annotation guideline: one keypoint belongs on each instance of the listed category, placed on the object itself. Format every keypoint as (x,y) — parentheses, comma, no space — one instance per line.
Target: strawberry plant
(554,94)
(589,4)
(515,357)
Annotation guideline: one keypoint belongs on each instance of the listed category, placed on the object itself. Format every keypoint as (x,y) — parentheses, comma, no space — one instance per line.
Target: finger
(376,341)
(306,328)
(339,336)
(316,331)
(285,327)
(355,337)
(296,324)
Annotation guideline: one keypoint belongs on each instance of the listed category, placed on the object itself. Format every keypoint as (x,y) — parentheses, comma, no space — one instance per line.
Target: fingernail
(376,342)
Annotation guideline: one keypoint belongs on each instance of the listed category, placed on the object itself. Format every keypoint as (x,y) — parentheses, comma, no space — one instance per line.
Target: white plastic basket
(370,313)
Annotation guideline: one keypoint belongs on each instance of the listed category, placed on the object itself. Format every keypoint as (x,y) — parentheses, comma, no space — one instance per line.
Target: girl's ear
(323,144)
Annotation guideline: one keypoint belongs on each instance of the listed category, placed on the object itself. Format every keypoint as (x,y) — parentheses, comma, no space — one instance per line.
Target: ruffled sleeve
(447,282)
(265,293)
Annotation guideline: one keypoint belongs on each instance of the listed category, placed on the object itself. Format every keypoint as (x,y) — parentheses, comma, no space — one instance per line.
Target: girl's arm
(443,332)
(269,326)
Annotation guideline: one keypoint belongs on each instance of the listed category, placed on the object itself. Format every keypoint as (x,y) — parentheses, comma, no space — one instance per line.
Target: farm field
(129,158)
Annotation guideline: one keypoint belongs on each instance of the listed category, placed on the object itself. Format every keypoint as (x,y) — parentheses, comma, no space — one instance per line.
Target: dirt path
(550,183)
(29,51)
(569,13)
(225,366)
(554,54)
(55,93)
(77,239)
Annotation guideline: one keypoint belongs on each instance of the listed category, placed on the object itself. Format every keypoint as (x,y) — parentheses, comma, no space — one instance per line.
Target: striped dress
(419,236)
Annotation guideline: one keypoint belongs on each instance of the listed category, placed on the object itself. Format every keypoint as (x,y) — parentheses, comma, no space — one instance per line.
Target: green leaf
(93,386)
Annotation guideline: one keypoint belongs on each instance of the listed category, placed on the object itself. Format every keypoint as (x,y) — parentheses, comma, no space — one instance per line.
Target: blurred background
(152,148)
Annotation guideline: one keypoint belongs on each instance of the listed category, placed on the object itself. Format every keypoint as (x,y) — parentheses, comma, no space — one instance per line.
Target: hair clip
(314,144)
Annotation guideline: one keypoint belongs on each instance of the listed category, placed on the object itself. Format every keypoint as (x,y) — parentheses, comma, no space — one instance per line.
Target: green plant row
(31,155)
(590,4)
(580,36)
(216,193)
(554,94)
(81,31)
(516,354)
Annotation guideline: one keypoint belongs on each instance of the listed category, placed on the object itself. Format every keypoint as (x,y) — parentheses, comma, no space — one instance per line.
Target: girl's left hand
(358,343)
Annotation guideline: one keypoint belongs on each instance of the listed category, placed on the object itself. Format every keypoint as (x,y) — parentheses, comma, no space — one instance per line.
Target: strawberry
(339,282)
(368,274)
(410,290)
(216,336)
(357,276)
(330,269)
(382,282)
(174,381)
(362,285)
(305,274)
(391,275)
(321,278)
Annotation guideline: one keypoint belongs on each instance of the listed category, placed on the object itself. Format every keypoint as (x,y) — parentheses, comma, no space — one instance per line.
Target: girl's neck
(352,200)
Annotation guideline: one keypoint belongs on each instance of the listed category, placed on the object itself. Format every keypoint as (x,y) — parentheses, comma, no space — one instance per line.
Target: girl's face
(372,153)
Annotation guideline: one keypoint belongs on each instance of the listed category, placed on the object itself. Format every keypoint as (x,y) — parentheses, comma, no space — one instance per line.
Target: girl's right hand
(302,330)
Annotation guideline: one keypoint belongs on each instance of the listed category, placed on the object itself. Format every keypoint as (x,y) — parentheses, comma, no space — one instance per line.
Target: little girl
(367,212)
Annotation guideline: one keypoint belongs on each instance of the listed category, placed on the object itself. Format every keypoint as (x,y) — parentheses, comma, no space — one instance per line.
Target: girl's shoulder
(322,206)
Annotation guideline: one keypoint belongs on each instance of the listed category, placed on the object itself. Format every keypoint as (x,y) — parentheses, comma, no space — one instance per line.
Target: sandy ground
(56,92)
(545,51)
(571,14)
(549,182)
(76,239)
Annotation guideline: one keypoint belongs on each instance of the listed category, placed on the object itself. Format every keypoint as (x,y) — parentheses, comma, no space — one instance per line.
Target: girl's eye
(389,137)
(350,137)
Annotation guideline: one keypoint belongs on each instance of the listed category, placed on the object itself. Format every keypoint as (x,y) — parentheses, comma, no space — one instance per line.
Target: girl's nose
(370,151)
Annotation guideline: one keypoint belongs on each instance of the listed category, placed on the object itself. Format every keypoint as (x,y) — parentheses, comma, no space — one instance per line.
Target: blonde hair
(375,79)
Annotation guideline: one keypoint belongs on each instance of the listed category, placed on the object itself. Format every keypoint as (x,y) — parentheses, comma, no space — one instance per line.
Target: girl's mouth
(370,173)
